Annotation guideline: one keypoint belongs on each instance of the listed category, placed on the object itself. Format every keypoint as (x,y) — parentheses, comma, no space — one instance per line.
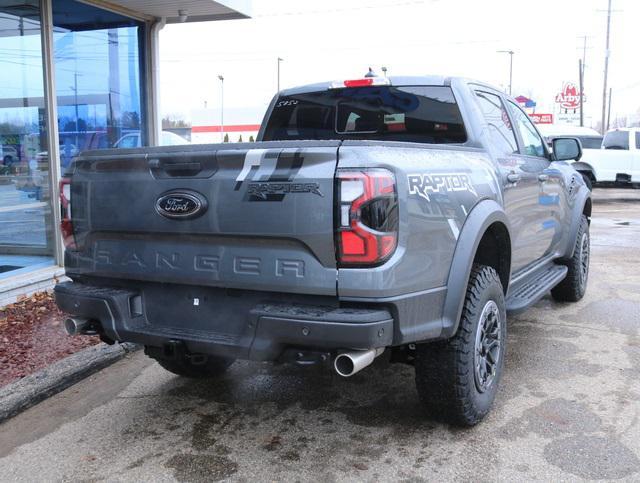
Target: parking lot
(568,407)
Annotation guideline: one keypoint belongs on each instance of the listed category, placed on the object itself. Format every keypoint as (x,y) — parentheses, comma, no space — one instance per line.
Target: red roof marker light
(364,82)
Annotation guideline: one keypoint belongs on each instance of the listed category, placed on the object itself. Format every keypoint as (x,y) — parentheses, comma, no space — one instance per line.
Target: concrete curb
(29,391)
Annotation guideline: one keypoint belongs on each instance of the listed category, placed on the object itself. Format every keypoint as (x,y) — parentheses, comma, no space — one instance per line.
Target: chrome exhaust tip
(348,363)
(77,325)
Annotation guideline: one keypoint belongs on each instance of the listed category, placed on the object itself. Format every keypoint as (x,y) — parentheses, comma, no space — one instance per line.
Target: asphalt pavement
(568,408)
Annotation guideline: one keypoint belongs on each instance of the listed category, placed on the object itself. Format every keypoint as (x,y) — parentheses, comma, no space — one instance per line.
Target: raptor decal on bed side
(425,184)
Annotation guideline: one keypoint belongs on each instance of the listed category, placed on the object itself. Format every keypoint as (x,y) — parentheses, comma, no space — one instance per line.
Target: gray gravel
(567,410)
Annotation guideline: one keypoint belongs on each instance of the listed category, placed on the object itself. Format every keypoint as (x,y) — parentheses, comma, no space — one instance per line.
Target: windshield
(409,114)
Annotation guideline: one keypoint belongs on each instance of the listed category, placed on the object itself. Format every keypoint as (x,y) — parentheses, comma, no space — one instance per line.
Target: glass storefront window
(26,231)
(98,78)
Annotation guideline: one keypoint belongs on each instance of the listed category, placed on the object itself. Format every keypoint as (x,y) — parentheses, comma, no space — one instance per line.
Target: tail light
(367,218)
(66,226)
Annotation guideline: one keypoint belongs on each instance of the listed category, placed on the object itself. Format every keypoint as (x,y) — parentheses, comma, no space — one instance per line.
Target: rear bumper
(238,324)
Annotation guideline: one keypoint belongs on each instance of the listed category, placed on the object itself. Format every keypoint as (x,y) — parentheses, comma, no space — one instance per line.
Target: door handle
(513,177)
(543,177)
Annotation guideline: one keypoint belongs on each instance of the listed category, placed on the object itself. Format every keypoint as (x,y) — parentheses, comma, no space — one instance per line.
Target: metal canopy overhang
(193,10)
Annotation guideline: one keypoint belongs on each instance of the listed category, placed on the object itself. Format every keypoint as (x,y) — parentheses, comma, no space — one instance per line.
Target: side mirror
(566,149)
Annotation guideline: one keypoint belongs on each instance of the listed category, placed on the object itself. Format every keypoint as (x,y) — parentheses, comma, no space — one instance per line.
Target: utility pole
(581,77)
(280,59)
(221,108)
(606,68)
(510,52)
(582,66)
(609,109)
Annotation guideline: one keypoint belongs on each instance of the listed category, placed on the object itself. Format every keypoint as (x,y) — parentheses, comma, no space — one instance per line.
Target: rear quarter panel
(437,188)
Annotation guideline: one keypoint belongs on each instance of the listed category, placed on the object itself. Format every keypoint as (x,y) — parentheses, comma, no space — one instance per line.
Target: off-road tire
(574,285)
(445,370)
(183,366)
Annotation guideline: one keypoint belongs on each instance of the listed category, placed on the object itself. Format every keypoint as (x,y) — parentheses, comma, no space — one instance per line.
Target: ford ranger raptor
(402,214)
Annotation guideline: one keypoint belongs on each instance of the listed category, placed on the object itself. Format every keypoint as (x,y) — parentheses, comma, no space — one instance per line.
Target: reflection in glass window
(98,78)
(532,142)
(26,231)
(498,122)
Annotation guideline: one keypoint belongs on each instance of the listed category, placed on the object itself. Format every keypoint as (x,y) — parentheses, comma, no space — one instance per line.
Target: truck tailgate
(254,216)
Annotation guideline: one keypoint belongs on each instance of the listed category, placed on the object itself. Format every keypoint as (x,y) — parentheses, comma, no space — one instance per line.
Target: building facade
(74,75)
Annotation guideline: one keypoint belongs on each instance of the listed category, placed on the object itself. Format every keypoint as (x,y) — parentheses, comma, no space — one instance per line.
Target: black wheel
(7,160)
(572,288)
(457,379)
(587,181)
(199,367)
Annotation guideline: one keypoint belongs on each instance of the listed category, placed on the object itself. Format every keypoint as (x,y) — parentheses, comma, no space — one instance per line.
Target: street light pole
(221,107)
(606,70)
(280,59)
(510,52)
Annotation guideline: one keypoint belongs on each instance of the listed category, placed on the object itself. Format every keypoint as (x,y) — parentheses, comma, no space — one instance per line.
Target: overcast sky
(339,39)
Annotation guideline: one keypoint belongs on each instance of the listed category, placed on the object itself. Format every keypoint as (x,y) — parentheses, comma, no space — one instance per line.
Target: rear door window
(616,140)
(500,129)
(389,113)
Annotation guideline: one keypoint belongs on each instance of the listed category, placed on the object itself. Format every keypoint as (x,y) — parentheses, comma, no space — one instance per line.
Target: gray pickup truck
(406,214)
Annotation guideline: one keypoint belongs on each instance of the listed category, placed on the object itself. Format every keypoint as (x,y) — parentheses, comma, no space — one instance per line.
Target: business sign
(539,118)
(570,118)
(569,98)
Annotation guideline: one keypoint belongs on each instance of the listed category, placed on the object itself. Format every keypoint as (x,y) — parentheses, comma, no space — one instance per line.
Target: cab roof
(432,80)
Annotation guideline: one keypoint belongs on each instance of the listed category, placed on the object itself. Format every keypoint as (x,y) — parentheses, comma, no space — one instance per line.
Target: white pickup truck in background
(617,161)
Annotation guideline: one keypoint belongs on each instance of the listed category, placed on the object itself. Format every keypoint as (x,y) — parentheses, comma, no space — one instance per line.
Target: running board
(529,291)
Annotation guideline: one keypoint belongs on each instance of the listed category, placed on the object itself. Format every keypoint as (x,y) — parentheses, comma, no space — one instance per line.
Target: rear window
(590,142)
(616,140)
(389,113)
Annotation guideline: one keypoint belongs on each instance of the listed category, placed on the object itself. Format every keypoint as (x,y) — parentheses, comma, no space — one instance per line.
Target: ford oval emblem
(181,205)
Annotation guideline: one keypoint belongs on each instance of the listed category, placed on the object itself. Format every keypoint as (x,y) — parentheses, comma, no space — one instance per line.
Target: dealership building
(74,75)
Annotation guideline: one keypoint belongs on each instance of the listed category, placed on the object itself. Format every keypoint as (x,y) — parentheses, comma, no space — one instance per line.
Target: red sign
(541,118)
(569,98)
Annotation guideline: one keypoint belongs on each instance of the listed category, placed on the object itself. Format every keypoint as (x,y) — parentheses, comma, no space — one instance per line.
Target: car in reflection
(9,155)
(133,140)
